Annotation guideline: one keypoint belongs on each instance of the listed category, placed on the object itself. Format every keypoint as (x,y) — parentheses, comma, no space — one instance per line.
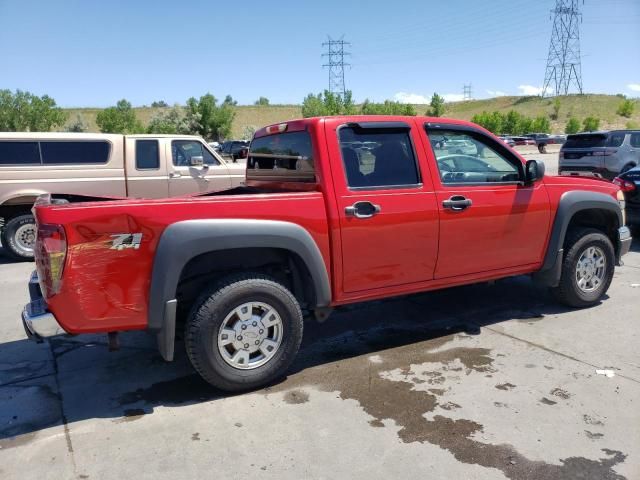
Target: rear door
(386,205)
(186,177)
(489,219)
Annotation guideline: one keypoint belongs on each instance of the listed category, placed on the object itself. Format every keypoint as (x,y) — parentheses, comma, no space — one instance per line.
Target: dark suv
(600,154)
(234,149)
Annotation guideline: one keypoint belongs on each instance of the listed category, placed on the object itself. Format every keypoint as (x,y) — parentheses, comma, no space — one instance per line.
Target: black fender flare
(571,203)
(182,241)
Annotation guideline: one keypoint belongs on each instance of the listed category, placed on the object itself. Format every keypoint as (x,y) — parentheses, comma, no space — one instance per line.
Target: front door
(388,216)
(186,178)
(489,219)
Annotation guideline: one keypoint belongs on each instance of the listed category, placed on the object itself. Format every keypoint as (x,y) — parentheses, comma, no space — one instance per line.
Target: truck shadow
(74,379)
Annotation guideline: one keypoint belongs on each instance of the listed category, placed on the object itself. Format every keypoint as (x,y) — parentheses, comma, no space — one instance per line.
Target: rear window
(74,153)
(585,141)
(281,157)
(19,153)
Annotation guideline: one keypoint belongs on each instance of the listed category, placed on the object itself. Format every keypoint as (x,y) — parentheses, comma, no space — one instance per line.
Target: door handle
(175,174)
(457,203)
(362,209)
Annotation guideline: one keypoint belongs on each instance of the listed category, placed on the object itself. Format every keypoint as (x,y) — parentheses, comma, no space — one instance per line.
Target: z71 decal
(125,240)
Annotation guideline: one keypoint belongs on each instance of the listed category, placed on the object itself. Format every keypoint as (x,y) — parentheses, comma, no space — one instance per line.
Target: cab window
(378,157)
(183,150)
(466,157)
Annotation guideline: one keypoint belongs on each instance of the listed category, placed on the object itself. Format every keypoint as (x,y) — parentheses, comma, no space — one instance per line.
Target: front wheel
(587,268)
(542,148)
(19,236)
(244,333)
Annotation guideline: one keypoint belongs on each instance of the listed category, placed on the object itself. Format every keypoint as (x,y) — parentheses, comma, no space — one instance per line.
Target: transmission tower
(563,63)
(466,92)
(335,61)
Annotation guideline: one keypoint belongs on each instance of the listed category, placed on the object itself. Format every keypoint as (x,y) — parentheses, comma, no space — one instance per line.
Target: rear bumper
(624,242)
(38,322)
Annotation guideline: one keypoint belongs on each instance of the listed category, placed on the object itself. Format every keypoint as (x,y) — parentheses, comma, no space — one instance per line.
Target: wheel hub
(26,236)
(250,335)
(590,269)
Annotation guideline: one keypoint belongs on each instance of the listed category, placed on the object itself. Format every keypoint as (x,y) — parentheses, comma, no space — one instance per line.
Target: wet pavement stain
(546,401)
(181,390)
(195,437)
(593,436)
(296,397)
(589,420)
(397,399)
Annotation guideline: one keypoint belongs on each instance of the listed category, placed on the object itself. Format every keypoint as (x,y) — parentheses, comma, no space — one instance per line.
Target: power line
(563,62)
(335,61)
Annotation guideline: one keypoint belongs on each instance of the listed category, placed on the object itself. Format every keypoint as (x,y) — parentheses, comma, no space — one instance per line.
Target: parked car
(234,149)
(508,140)
(523,141)
(600,154)
(457,146)
(544,139)
(381,214)
(629,183)
(151,166)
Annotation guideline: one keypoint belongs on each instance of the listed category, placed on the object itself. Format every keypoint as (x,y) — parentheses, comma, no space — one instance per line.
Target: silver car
(600,154)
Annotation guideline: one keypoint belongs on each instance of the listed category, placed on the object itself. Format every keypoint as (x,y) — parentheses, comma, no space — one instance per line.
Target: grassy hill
(580,106)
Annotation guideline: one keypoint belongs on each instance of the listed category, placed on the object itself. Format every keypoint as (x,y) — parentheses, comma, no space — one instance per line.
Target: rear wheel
(587,268)
(19,236)
(626,168)
(244,332)
(542,148)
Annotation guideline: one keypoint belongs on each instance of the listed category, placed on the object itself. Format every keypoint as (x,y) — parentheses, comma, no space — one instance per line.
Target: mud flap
(167,335)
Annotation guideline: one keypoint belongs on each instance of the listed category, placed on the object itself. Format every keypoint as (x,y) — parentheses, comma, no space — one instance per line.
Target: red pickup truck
(336,210)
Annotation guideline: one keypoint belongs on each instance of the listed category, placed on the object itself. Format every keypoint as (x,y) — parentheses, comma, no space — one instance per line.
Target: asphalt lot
(484,382)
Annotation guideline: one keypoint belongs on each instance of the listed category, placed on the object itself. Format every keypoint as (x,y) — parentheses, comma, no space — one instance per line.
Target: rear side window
(376,158)
(74,153)
(635,139)
(585,141)
(19,153)
(281,157)
(616,139)
(147,155)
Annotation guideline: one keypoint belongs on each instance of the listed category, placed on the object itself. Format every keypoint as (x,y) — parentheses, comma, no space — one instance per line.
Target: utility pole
(563,62)
(335,61)
(466,92)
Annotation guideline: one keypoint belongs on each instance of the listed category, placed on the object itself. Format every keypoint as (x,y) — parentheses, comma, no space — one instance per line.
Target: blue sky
(86,53)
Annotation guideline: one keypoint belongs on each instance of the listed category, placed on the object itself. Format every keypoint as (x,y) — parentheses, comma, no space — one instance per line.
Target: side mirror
(196,161)
(534,171)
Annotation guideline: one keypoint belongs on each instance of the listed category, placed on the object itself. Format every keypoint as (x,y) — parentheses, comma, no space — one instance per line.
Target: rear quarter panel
(106,289)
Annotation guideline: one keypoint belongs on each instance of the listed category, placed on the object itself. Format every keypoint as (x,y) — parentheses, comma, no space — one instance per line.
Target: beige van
(149,166)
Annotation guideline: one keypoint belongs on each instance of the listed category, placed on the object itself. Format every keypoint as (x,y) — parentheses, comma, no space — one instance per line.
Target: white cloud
(415,98)
(634,86)
(453,97)
(531,90)
(496,93)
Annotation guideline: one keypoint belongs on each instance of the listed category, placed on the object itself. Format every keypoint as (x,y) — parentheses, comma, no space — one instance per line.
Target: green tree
(387,108)
(556,109)
(229,101)
(248,131)
(262,101)
(625,109)
(492,121)
(78,125)
(327,103)
(171,121)
(572,126)
(541,125)
(205,117)
(119,119)
(437,106)
(590,124)
(512,124)
(23,111)
(159,104)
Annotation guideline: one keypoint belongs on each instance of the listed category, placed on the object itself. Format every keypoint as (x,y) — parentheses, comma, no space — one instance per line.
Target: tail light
(625,185)
(50,253)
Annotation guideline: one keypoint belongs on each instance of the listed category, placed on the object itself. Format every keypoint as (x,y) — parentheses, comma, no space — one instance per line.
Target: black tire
(567,291)
(14,246)
(626,168)
(542,148)
(208,315)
